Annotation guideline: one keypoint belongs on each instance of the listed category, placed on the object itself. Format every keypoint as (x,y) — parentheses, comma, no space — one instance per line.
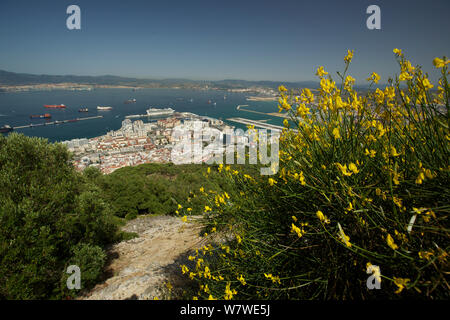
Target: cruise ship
(159,112)
(103,108)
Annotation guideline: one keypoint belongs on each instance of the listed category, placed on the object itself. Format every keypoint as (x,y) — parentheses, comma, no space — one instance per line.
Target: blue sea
(16,108)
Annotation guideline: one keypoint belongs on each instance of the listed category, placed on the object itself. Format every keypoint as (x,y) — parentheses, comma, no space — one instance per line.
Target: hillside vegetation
(52,216)
(155,188)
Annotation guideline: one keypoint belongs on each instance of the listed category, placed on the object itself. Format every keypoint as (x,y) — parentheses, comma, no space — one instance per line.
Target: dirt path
(139,268)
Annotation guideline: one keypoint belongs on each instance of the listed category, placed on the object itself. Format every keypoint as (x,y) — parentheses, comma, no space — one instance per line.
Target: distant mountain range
(18,79)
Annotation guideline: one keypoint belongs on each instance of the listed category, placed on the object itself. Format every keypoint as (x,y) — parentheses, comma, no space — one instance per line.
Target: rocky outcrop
(140,268)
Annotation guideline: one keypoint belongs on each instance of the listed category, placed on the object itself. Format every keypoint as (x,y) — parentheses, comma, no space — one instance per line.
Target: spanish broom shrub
(362,191)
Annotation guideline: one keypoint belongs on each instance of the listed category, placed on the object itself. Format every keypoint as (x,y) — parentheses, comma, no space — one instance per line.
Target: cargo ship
(83,110)
(54,106)
(41,116)
(103,108)
(6,129)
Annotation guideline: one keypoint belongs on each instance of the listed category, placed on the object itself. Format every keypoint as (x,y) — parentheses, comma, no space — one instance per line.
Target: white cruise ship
(159,112)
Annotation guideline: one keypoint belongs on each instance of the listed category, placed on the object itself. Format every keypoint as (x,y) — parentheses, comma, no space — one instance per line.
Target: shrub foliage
(49,215)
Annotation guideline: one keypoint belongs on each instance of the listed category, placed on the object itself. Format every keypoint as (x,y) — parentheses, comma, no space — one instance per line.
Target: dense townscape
(137,142)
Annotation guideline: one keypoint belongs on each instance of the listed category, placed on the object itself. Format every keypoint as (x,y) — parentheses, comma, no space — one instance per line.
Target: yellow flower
(327,85)
(404,76)
(370,153)
(184,269)
(272,182)
(398,52)
(352,167)
(379,96)
(375,270)
(283,104)
(207,208)
(242,280)
(238,238)
(427,84)
(282,88)
(274,279)
(425,255)
(394,152)
(228,292)
(439,63)
(400,283)
(294,218)
(374,77)
(184,219)
(350,207)
(336,133)
(343,237)
(349,81)
(322,217)
(320,72)
(343,169)
(391,242)
(348,58)
(297,230)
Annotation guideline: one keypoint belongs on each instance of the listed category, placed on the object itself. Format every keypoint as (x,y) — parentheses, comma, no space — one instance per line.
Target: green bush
(46,210)
(154,188)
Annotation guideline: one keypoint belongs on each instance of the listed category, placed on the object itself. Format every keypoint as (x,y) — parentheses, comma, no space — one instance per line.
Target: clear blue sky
(245,39)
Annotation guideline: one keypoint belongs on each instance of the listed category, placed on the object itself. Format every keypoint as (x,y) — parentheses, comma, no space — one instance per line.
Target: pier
(273,114)
(56,122)
(256,123)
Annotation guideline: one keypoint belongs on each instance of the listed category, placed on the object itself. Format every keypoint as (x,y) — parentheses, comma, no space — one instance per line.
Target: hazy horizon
(201,40)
